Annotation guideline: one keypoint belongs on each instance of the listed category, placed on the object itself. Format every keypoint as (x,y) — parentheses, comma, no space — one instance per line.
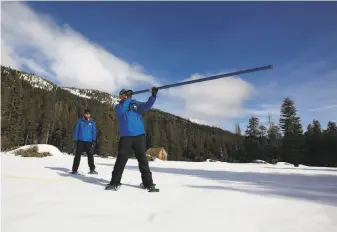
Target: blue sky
(165,42)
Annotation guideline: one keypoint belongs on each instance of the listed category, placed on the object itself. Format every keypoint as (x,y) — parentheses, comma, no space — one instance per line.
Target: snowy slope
(39,195)
(93,94)
(76,92)
(39,82)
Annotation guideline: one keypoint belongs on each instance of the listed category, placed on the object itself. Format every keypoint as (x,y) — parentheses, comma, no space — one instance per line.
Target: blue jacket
(85,130)
(129,114)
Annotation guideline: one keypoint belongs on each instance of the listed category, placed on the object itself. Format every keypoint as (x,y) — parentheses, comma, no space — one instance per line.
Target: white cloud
(264,111)
(31,39)
(8,56)
(50,50)
(324,108)
(216,100)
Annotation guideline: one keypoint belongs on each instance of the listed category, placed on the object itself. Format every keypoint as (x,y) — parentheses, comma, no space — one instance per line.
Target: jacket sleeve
(121,108)
(145,106)
(76,129)
(93,131)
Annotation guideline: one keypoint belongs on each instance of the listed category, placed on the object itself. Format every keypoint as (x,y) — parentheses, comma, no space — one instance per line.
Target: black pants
(80,148)
(126,146)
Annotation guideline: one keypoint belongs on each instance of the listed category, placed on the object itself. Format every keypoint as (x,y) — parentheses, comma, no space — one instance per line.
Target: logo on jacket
(133,106)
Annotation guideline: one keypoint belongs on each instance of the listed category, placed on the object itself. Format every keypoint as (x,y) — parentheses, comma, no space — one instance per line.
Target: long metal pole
(209,78)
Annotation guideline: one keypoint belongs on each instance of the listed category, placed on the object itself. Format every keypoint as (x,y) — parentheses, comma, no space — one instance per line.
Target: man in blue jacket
(132,138)
(85,138)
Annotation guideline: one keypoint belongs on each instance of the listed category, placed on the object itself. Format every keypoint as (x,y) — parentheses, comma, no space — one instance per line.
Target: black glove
(93,146)
(73,150)
(154,91)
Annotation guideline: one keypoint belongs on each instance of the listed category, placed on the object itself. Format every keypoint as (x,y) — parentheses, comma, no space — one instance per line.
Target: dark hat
(122,91)
(127,92)
(87,111)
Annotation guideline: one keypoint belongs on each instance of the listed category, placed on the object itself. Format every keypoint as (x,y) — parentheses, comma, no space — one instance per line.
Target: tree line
(288,142)
(32,115)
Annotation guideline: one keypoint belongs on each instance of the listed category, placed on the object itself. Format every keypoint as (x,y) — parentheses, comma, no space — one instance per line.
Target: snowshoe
(150,188)
(93,172)
(75,173)
(113,187)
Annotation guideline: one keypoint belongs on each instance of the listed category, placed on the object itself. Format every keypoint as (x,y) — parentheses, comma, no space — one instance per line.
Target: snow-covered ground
(39,195)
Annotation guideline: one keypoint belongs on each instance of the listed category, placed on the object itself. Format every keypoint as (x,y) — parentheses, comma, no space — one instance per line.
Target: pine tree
(289,121)
(16,115)
(253,127)
(274,133)
(252,142)
(262,131)
(237,129)
(292,130)
(313,138)
(330,145)
(274,143)
(263,142)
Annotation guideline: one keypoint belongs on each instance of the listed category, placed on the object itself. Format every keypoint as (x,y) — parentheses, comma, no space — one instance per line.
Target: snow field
(39,195)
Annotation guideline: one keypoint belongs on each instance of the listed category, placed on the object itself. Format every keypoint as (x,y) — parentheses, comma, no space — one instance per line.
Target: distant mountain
(42,83)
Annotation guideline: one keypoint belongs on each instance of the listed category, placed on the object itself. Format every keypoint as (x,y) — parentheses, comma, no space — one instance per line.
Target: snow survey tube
(208,78)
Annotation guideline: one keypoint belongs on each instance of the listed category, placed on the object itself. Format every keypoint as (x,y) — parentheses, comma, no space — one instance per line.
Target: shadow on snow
(307,169)
(65,172)
(320,188)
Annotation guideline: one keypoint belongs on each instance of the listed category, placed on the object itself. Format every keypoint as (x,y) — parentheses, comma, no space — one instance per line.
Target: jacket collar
(90,120)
